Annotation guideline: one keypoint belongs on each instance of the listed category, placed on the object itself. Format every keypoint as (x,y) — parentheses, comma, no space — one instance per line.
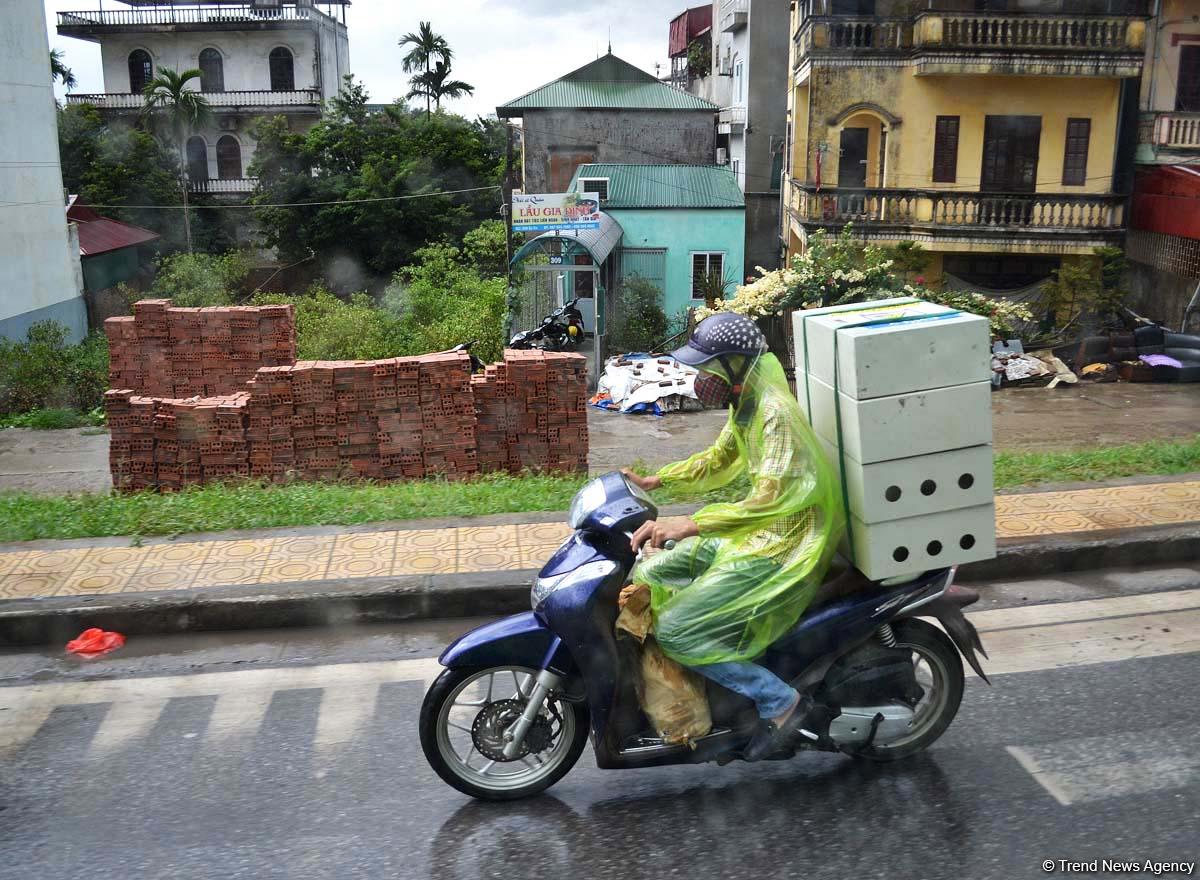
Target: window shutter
(1075,160)
(945,150)
(699,270)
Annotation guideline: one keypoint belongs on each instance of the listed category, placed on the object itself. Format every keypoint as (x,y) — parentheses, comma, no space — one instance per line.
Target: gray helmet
(719,335)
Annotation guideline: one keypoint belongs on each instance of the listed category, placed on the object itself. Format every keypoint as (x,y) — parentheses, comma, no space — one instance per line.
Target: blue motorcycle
(512,711)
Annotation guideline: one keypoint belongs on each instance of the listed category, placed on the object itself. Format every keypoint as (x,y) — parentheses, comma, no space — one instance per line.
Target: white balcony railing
(733,117)
(1177,130)
(238,185)
(735,14)
(217,100)
(168,15)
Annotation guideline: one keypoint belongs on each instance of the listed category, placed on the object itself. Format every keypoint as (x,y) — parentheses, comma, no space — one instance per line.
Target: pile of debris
(1148,353)
(641,383)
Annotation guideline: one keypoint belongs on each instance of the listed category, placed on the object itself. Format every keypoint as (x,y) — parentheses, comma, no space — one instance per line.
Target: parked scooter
(476,363)
(512,711)
(561,330)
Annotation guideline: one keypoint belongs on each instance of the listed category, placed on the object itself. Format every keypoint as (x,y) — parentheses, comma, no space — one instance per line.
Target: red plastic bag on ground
(95,642)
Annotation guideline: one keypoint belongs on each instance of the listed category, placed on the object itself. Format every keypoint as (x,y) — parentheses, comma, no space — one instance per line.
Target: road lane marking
(1086,642)
(1027,639)
(1087,609)
(1095,768)
(343,710)
(125,724)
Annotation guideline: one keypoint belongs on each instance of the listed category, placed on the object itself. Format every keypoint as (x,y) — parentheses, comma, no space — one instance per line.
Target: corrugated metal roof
(608,83)
(665,186)
(99,235)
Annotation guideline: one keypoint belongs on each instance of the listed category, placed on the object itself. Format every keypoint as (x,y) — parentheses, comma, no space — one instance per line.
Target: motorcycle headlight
(544,586)
(585,501)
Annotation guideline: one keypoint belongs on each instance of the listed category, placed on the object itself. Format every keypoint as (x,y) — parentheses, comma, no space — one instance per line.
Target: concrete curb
(421,597)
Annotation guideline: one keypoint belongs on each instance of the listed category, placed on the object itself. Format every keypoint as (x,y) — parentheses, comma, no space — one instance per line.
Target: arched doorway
(229,158)
(283,71)
(141,70)
(197,159)
(212,71)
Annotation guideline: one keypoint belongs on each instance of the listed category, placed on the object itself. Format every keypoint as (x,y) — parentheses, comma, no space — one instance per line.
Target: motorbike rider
(742,573)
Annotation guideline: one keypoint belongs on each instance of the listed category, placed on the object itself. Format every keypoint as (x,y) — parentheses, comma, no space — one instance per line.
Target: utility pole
(508,191)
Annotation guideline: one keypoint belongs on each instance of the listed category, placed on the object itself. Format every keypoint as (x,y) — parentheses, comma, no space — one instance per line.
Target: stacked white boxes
(909,382)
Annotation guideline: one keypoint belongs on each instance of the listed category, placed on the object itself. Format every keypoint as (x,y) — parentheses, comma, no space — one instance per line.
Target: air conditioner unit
(722,156)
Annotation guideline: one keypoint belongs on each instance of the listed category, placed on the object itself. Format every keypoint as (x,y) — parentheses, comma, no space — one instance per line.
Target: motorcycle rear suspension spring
(886,635)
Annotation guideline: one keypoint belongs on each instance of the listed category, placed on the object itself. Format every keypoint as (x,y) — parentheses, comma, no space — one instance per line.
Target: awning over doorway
(599,243)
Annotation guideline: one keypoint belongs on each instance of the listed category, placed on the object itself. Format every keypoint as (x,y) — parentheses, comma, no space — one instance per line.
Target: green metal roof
(665,186)
(608,83)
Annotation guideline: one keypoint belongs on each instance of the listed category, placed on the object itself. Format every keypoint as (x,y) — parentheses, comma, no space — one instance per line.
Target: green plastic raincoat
(728,594)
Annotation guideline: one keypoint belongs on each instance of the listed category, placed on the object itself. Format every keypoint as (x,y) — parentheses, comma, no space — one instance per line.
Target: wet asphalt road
(165,798)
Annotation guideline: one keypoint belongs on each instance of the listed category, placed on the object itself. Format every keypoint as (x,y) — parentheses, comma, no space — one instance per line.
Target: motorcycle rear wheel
(457,701)
(932,648)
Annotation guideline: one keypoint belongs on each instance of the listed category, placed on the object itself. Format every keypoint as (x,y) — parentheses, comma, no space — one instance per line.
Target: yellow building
(986,132)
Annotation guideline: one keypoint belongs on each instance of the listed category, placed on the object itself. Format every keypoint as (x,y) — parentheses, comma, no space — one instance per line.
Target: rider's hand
(657,534)
(646,484)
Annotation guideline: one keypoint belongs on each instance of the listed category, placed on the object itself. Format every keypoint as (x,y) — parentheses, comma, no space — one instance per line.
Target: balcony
(731,120)
(929,214)
(832,36)
(224,186)
(221,102)
(955,43)
(735,15)
(1177,131)
(92,23)
(1028,43)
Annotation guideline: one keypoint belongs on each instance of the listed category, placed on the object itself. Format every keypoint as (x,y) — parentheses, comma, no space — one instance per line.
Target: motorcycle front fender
(519,640)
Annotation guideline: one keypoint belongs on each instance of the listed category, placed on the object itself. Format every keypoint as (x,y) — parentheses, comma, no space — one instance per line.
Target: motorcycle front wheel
(463,720)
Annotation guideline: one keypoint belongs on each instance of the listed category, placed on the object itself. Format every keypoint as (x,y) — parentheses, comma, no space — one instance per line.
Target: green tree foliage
(424,49)
(354,154)
(127,167)
(434,85)
(640,322)
(60,71)
(449,295)
(443,300)
(181,110)
(192,280)
(44,370)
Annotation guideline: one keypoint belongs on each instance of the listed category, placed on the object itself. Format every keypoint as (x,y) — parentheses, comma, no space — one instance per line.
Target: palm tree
(436,84)
(168,96)
(60,71)
(426,47)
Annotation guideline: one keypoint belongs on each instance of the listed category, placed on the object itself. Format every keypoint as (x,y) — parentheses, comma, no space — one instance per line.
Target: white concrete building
(257,58)
(40,259)
(751,51)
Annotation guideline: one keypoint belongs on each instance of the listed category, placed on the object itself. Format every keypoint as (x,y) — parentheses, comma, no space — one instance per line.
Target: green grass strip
(25,516)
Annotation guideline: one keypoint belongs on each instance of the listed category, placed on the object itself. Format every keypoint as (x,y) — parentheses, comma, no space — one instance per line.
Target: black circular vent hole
(967,542)
(966,481)
(900,554)
(933,548)
(892,493)
(928,487)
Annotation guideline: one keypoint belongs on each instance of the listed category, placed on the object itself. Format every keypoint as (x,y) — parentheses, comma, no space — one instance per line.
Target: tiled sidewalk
(187,565)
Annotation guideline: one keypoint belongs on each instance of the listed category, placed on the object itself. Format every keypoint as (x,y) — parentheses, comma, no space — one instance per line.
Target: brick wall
(163,351)
(398,418)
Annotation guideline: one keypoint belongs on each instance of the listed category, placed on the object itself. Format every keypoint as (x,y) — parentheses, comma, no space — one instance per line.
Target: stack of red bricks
(170,443)
(216,394)
(531,412)
(163,351)
(131,448)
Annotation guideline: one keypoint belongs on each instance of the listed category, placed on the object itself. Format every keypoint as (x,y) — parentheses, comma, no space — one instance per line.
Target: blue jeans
(772,695)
